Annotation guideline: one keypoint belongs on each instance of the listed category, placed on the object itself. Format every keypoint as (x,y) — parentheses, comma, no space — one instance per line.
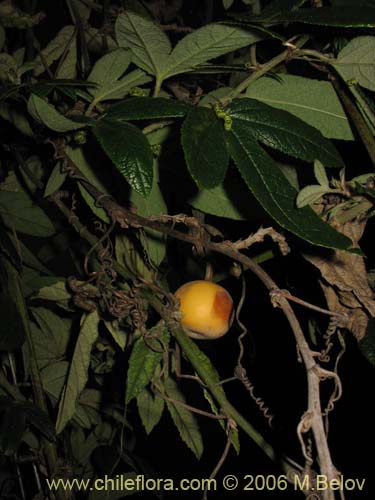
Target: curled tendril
(241,374)
(239,371)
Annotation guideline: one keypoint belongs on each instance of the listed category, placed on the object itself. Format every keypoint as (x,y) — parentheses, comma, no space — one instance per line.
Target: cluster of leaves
(135,103)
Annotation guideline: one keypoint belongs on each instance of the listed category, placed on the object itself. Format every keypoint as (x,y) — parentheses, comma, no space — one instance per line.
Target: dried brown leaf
(344,281)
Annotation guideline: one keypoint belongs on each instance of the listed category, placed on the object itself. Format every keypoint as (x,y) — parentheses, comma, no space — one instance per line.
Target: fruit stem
(209,272)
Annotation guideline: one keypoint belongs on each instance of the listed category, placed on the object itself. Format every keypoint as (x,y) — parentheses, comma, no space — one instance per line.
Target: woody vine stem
(312,419)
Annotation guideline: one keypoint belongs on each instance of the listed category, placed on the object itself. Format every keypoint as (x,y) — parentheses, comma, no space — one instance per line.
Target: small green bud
(138,92)
(80,137)
(228,123)
(156,149)
(220,113)
(351,82)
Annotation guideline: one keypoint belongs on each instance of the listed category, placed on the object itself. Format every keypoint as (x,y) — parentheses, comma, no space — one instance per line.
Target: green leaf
(78,371)
(20,213)
(138,7)
(310,194)
(56,293)
(144,359)
(86,162)
(276,194)
(249,23)
(208,42)
(291,174)
(217,201)
(8,91)
(280,130)
(349,17)
(202,137)
(154,242)
(107,74)
(147,108)
(82,447)
(205,362)
(130,253)
(67,68)
(227,4)
(90,402)
(55,181)
(53,379)
(11,113)
(214,96)
(51,340)
(8,247)
(13,423)
(213,69)
(120,88)
(321,174)
(356,61)
(97,41)
(39,420)
(45,113)
(118,333)
(183,418)
(313,101)
(44,88)
(12,334)
(29,259)
(130,152)
(279,6)
(109,68)
(54,50)
(33,282)
(149,45)
(82,9)
(235,437)
(150,409)
(8,68)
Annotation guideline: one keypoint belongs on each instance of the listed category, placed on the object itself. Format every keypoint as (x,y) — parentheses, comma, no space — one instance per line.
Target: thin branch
(125,218)
(66,51)
(265,68)
(259,237)
(84,61)
(357,119)
(191,408)
(285,293)
(231,426)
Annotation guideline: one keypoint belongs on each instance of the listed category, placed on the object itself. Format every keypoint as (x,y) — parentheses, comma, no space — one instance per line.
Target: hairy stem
(357,119)
(158,83)
(263,69)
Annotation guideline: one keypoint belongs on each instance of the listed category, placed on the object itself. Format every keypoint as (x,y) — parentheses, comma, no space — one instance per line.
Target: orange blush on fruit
(206,309)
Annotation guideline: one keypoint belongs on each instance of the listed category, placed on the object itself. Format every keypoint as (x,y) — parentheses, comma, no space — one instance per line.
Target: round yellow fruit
(206,309)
